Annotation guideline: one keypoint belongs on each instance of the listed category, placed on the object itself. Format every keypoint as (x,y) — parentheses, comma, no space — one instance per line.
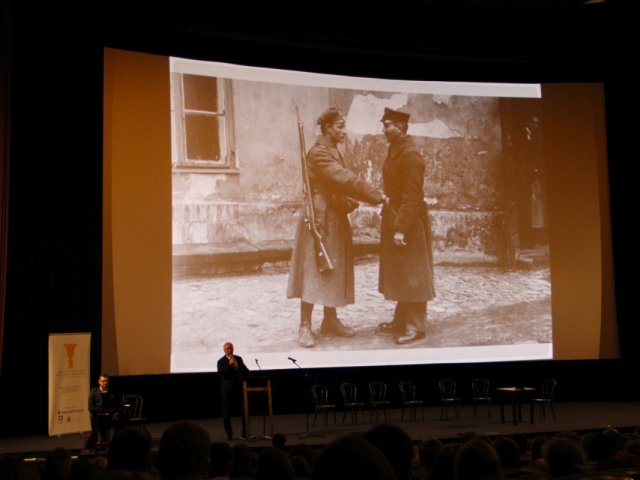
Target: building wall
(460,138)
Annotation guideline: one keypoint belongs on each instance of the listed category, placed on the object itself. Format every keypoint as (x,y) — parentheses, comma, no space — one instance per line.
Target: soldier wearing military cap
(406,261)
(332,186)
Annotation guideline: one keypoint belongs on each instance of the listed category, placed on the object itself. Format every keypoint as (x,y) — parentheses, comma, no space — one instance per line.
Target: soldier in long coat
(332,185)
(406,261)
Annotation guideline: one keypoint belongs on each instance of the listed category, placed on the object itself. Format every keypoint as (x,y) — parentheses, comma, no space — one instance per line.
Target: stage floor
(570,416)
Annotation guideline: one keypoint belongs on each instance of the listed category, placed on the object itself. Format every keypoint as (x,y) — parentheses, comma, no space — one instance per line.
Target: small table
(517,394)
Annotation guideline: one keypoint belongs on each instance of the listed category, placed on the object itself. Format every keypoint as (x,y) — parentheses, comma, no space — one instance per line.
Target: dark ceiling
(563,35)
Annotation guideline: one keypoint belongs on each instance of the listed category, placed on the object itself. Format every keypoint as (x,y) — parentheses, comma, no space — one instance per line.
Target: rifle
(322,256)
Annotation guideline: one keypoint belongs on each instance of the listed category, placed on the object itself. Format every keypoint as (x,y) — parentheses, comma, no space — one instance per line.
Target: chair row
(378,402)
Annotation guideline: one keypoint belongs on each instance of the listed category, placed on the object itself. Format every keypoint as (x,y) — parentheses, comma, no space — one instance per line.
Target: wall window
(202,122)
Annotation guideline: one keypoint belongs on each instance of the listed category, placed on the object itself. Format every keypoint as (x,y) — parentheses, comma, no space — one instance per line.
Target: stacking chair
(378,398)
(546,397)
(133,404)
(409,401)
(480,395)
(350,400)
(321,403)
(448,398)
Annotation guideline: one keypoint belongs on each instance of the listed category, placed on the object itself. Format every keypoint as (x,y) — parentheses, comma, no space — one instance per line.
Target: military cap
(395,116)
(330,115)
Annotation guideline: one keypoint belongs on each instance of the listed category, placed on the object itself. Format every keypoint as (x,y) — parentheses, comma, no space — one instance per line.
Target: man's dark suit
(101,420)
(230,390)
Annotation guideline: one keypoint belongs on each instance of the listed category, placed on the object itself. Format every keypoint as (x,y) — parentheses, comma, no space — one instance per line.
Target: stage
(579,417)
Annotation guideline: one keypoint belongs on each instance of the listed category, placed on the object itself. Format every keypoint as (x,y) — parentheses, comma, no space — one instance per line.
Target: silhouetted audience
(130,449)
(301,468)
(278,440)
(220,460)
(13,467)
(352,457)
(536,459)
(274,464)
(86,469)
(304,450)
(57,465)
(395,444)
(183,453)
(430,448)
(606,450)
(384,452)
(509,453)
(443,465)
(476,460)
(564,457)
(243,462)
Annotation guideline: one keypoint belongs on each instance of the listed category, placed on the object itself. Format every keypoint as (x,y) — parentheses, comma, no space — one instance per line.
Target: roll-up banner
(69,362)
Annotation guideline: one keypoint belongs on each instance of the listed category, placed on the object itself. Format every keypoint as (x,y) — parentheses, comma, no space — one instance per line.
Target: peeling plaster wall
(460,139)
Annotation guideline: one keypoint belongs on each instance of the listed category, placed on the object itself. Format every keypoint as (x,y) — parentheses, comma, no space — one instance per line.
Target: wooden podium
(246,389)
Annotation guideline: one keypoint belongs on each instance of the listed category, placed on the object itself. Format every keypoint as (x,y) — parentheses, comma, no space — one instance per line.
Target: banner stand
(69,362)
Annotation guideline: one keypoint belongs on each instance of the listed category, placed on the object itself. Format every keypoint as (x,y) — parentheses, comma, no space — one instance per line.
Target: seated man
(105,407)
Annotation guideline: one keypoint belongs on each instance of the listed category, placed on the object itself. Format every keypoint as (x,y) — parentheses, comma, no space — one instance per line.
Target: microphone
(292,359)
(258,364)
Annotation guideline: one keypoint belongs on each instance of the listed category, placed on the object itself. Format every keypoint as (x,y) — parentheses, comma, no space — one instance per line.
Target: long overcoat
(331,184)
(406,272)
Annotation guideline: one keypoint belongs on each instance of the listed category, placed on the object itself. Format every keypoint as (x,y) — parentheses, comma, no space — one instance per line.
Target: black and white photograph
(343,221)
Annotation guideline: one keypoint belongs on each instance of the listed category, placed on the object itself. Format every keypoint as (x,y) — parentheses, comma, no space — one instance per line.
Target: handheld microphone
(292,359)
(258,364)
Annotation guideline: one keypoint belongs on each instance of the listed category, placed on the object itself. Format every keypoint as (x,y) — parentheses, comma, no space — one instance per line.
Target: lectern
(257,385)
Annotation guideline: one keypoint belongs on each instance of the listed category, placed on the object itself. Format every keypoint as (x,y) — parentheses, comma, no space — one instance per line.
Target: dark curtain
(5,108)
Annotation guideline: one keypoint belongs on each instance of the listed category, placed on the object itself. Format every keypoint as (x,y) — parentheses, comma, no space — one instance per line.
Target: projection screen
(203,193)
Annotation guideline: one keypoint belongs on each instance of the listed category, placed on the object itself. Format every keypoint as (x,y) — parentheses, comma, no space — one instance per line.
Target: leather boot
(333,326)
(305,336)
(398,325)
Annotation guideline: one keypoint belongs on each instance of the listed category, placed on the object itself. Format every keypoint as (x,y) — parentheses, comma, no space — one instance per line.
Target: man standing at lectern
(232,369)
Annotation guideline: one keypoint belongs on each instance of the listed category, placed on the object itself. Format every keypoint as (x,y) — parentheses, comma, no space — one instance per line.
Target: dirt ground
(474,306)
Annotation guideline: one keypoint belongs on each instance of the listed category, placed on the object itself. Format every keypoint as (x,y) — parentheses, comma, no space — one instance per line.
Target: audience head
(468,436)
(350,457)
(537,446)
(305,451)
(508,451)
(602,445)
(243,461)
(476,460)
(301,467)
(633,446)
(563,457)
(522,441)
(430,448)
(85,469)
(130,449)
(278,440)
(57,464)
(14,468)
(395,444)
(125,475)
(274,464)
(183,452)
(442,468)
(220,455)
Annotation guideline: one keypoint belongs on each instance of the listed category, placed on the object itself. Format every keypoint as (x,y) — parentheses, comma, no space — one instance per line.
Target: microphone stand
(264,435)
(307,433)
